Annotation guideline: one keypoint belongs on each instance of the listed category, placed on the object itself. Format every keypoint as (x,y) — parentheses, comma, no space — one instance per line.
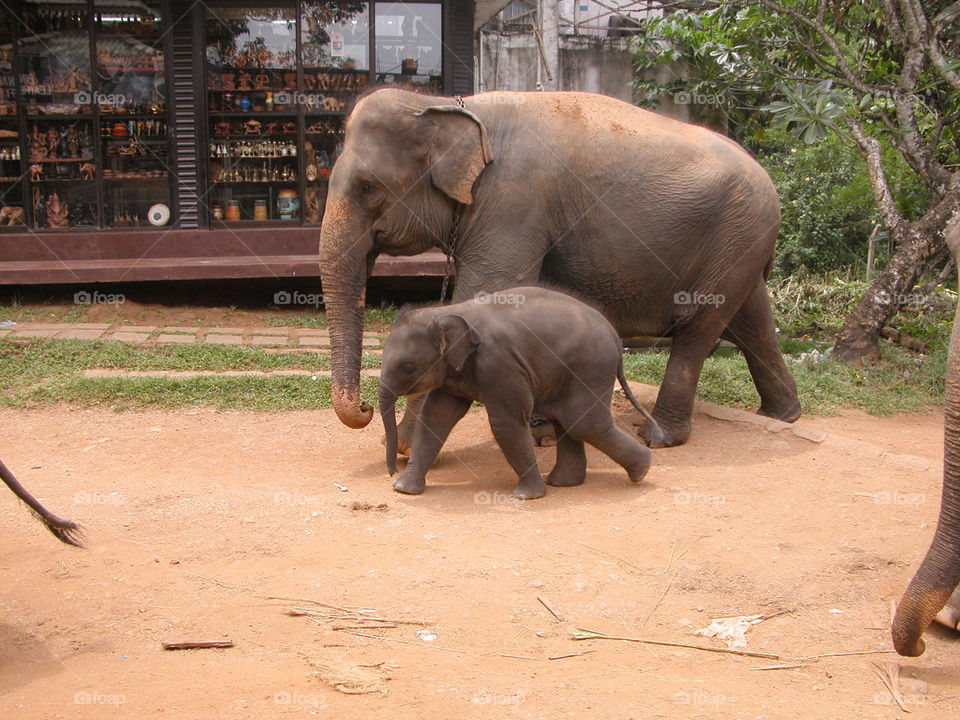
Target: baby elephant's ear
(456,339)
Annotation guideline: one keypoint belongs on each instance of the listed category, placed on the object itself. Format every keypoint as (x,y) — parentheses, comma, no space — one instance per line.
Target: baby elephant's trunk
(388,411)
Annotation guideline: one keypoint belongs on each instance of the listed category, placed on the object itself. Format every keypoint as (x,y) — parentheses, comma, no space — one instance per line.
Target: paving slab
(314,341)
(268,340)
(218,339)
(91,326)
(225,330)
(27,332)
(168,339)
(134,337)
(177,329)
(372,342)
(137,328)
(77,333)
(5,331)
(271,331)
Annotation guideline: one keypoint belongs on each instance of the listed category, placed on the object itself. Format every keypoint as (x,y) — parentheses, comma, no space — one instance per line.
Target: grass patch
(39,371)
(265,394)
(900,382)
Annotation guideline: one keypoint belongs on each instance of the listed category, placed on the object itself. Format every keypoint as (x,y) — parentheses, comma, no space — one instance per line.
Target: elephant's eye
(365,188)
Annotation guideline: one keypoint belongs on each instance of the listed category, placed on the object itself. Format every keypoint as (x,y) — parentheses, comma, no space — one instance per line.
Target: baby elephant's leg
(599,429)
(439,413)
(571,467)
(512,432)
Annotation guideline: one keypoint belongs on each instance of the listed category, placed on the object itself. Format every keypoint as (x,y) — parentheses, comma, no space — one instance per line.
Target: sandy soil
(195,519)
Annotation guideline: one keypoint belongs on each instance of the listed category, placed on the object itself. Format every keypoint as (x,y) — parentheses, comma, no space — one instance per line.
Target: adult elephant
(939,574)
(668,227)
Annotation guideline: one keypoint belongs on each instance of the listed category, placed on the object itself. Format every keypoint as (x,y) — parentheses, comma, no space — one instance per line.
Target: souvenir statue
(56,213)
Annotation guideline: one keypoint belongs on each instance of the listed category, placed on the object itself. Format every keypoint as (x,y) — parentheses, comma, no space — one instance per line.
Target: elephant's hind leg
(753,331)
(571,467)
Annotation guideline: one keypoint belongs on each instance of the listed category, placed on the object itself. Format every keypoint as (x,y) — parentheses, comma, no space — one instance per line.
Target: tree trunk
(858,339)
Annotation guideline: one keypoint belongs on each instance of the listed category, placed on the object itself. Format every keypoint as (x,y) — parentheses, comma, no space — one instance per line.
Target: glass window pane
(133,128)
(252,96)
(409,47)
(336,35)
(11,189)
(55,57)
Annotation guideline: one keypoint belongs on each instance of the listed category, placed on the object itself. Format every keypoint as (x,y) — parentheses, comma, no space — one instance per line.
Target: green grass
(895,384)
(37,372)
(808,311)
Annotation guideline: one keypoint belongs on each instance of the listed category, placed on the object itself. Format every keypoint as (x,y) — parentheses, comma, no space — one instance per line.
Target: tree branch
(854,80)
(872,152)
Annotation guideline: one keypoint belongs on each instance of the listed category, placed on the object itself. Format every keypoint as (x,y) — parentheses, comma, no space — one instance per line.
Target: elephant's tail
(64,530)
(657,439)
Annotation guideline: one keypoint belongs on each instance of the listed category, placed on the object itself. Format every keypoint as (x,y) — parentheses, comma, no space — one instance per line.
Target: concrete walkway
(287,338)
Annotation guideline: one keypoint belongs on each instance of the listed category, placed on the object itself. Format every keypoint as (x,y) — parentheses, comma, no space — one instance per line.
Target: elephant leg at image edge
(753,330)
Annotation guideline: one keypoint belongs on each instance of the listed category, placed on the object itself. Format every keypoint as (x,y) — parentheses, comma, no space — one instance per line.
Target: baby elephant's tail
(657,439)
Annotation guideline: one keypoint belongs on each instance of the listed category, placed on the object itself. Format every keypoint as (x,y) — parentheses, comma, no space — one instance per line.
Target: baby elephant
(519,352)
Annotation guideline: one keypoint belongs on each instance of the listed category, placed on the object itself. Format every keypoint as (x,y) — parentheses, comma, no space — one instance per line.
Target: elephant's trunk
(343,265)
(939,574)
(388,411)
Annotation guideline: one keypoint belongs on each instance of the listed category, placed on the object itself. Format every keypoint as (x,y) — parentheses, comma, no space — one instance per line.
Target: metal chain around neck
(450,247)
(454,232)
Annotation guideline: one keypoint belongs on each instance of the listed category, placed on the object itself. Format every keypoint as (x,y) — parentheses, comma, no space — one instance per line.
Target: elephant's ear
(456,339)
(459,150)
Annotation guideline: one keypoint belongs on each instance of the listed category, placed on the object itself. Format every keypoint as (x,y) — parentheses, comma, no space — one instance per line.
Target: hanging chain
(451,245)
(454,232)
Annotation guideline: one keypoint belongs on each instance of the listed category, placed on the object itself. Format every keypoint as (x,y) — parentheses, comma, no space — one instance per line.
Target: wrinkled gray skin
(65,531)
(936,580)
(525,350)
(667,227)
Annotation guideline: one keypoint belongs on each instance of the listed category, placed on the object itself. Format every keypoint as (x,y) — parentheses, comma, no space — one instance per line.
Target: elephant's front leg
(511,428)
(408,423)
(439,413)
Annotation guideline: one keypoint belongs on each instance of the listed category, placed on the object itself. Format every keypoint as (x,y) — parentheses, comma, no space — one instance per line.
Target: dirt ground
(196,519)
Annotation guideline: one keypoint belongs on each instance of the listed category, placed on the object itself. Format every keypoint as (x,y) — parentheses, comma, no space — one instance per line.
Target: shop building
(165,140)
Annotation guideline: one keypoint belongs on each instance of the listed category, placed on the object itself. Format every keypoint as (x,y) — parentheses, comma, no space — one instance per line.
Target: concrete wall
(590,64)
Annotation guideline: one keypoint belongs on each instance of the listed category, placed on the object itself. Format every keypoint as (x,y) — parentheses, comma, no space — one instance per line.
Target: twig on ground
(543,601)
(199,645)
